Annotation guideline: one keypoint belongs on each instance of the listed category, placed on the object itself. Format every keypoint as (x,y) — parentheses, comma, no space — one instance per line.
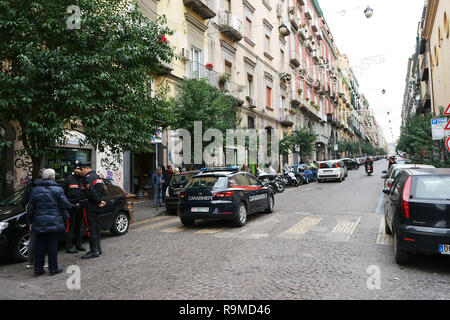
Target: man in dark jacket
(46,215)
(74,189)
(96,195)
(167,174)
(157,184)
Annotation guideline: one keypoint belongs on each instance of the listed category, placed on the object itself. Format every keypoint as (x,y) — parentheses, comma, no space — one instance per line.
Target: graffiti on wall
(110,166)
(23,168)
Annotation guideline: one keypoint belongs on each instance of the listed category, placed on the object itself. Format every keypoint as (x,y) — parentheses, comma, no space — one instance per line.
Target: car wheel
(387,230)
(271,205)
(241,218)
(401,256)
(20,246)
(120,224)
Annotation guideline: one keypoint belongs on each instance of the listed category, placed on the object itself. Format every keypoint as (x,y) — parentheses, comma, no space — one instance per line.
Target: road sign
(336,147)
(448,125)
(447,112)
(438,128)
(157,136)
(447,144)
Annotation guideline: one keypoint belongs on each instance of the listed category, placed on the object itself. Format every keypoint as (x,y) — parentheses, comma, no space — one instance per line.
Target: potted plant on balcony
(209,66)
(223,79)
(300,91)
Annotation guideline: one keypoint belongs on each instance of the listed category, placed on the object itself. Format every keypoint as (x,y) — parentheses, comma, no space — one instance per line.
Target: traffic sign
(447,144)
(448,125)
(447,112)
(438,128)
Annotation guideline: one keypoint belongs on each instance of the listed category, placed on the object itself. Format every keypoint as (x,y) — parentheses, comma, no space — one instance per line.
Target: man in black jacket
(96,195)
(74,189)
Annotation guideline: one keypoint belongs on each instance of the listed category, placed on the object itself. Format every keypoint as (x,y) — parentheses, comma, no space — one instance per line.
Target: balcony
(230,25)
(295,59)
(293,18)
(287,119)
(424,71)
(200,7)
(308,13)
(309,46)
(303,33)
(315,25)
(309,110)
(331,118)
(196,70)
(295,99)
(316,57)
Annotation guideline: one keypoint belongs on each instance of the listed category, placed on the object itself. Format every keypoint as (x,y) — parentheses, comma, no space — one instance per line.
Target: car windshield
(432,188)
(13,200)
(208,182)
(327,165)
(180,180)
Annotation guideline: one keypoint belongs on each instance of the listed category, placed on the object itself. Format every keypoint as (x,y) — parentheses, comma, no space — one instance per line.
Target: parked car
(395,170)
(403,161)
(177,183)
(350,164)
(331,170)
(116,217)
(224,194)
(417,210)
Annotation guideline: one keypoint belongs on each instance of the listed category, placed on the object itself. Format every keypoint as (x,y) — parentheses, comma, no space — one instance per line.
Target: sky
(389,35)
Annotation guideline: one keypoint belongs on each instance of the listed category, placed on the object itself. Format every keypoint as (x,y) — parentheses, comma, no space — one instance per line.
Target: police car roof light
(229,168)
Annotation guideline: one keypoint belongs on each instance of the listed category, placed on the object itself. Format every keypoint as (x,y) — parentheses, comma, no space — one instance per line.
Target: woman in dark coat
(46,216)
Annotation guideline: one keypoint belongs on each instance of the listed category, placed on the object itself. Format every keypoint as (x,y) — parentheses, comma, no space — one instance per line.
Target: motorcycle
(369,170)
(270,177)
(290,176)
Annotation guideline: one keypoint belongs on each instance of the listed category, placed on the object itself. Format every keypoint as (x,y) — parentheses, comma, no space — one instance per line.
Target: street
(324,241)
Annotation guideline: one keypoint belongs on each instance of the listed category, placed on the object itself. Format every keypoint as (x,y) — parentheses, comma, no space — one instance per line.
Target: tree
(197,100)
(417,141)
(95,78)
(305,138)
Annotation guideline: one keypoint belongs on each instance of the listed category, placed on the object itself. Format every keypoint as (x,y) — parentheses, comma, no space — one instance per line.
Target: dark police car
(14,233)
(177,183)
(224,194)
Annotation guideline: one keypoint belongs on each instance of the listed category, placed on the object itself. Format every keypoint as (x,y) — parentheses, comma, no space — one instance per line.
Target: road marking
(174,229)
(210,230)
(380,204)
(157,225)
(382,237)
(346,228)
(303,226)
(148,220)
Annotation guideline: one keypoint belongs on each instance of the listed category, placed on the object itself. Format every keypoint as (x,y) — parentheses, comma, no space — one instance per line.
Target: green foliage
(416,140)
(197,100)
(305,138)
(95,79)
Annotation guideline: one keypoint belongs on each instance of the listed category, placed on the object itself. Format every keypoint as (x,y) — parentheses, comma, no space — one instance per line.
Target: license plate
(200,210)
(444,249)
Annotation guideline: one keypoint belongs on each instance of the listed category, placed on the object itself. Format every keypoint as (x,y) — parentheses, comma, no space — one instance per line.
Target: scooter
(290,176)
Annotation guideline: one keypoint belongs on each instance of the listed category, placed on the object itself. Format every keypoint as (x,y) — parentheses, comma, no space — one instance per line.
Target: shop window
(62,160)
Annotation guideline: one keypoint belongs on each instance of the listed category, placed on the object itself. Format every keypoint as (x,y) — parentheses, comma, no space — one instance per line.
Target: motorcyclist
(368,163)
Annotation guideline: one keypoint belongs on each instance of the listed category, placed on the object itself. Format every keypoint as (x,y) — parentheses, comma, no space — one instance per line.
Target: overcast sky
(390,33)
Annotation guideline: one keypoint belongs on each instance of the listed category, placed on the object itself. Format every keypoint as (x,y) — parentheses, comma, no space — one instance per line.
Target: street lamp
(284,31)
(368,12)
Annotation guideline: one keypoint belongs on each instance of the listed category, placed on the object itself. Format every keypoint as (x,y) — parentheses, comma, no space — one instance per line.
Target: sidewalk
(144,210)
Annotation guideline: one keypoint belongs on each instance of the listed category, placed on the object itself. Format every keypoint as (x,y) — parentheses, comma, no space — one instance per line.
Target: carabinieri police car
(223,194)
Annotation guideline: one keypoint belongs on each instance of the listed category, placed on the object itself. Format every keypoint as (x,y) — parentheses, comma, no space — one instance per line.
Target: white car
(331,170)
(395,170)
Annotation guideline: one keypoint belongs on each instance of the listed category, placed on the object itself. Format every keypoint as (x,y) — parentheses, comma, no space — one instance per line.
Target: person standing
(157,183)
(74,189)
(25,200)
(46,215)
(167,177)
(96,196)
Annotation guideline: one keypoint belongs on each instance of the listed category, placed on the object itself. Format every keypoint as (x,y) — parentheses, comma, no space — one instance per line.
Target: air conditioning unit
(251,102)
(185,54)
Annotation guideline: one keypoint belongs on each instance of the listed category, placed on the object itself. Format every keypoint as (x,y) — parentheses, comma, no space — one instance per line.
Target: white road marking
(382,237)
(346,228)
(210,230)
(303,226)
(148,220)
(175,229)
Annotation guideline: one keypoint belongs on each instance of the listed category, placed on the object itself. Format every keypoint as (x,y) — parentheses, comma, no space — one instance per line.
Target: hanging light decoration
(284,31)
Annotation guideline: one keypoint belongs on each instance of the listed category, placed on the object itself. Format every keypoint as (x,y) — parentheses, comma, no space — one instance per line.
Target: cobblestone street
(318,244)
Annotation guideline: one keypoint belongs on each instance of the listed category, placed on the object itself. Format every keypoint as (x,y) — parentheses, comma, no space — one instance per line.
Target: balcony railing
(230,25)
(295,59)
(201,7)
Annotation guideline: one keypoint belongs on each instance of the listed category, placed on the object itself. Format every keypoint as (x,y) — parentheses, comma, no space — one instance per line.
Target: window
(283,102)
(196,61)
(228,66)
(251,122)
(248,27)
(227,5)
(250,85)
(253,180)
(269,96)
(432,188)
(267,43)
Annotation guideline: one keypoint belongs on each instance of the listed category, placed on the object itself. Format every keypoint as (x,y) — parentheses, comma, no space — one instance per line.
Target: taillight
(336,165)
(227,194)
(182,195)
(405,198)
